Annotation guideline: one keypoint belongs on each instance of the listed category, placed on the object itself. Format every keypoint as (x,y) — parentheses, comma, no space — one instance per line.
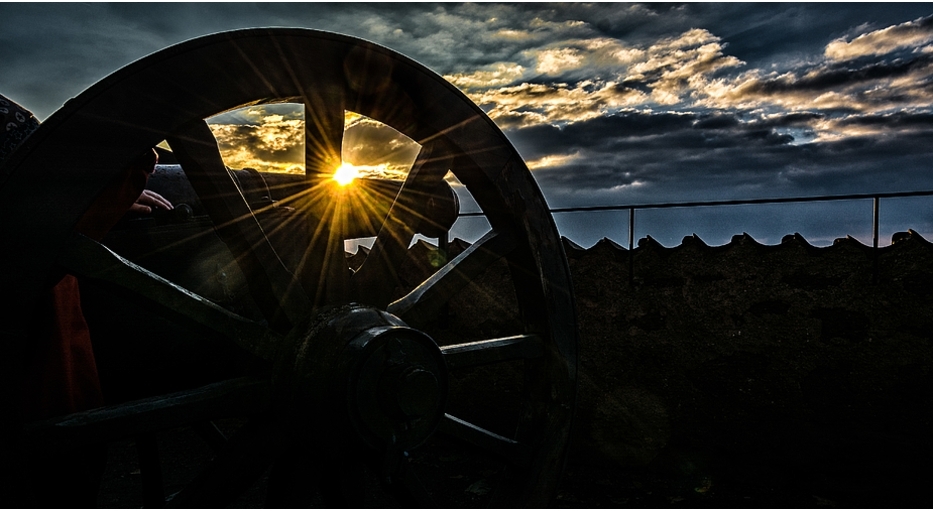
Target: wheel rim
(168,94)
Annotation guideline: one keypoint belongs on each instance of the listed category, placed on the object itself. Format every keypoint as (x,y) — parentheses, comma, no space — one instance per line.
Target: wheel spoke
(423,302)
(245,459)
(87,258)
(323,271)
(377,279)
(273,287)
(324,125)
(239,396)
(509,450)
(491,351)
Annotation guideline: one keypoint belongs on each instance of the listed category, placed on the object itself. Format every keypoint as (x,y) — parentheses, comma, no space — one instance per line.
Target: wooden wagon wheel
(338,345)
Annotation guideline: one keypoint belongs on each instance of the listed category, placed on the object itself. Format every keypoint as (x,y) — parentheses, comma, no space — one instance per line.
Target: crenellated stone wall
(783,365)
(746,348)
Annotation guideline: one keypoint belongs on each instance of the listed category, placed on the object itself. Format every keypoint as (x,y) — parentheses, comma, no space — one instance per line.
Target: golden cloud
(880,42)
(496,75)
(807,91)
(516,35)
(872,88)
(666,73)
(677,66)
(558,60)
(529,104)
(274,145)
(266,139)
(554,160)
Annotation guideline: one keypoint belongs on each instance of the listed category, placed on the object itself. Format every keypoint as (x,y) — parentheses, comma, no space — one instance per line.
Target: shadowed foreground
(735,376)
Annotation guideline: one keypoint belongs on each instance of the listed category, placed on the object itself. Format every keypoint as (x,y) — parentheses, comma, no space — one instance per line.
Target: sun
(346,173)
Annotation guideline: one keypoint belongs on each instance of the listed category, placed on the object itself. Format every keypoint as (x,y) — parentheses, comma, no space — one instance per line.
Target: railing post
(876,210)
(631,246)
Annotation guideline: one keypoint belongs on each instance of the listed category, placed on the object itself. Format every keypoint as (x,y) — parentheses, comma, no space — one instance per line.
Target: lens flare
(345,174)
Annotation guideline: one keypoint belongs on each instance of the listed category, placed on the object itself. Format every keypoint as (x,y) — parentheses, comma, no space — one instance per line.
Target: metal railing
(875,197)
(876,204)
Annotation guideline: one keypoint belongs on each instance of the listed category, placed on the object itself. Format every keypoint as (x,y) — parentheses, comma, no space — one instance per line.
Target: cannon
(340,375)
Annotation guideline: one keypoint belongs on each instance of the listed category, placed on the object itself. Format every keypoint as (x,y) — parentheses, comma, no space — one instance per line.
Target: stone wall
(783,366)
(753,361)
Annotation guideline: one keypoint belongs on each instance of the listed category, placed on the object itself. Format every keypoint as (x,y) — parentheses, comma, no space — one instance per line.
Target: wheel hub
(376,380)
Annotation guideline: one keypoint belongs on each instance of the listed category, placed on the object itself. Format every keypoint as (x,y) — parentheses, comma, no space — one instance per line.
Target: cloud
(676,66)
(554,103)
(877,126)
(869,87)
(584,79)
(620,76)
(552,161)
(570,59)
(260,114)
(912,34)
(269,138)
(873,76)
(643,157)
(494,75)
(275,145)
(556,61)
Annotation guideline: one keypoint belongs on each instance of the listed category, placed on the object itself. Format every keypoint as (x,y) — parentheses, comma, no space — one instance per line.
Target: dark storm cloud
(656,132)
(634,159)
(599,133)
(921,121)
(53,51)
(790,120)
(841,75)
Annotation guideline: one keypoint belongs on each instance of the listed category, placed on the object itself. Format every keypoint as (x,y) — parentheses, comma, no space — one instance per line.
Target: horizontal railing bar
(737,202)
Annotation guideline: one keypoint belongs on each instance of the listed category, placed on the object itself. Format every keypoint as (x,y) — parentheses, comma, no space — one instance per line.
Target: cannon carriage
(247,292)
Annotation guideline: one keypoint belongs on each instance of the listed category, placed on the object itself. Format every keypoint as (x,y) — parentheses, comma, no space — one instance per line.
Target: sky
(608,104)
